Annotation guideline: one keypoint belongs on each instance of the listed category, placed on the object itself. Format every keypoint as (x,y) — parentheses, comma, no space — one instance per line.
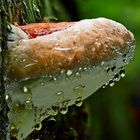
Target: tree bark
(3,49)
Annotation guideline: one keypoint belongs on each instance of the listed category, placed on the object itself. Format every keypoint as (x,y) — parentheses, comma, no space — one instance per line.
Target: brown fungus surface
(61,67)
(84,44)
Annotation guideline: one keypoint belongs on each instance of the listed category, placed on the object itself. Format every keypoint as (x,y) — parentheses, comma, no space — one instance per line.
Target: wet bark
(3,49)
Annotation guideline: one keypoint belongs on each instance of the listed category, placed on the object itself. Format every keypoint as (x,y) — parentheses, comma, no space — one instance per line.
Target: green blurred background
(113,112)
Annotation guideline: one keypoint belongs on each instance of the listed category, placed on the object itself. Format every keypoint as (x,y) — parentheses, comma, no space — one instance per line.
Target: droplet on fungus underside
(61,64)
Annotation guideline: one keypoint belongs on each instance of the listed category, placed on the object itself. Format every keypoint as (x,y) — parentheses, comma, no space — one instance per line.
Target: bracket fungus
(51,66)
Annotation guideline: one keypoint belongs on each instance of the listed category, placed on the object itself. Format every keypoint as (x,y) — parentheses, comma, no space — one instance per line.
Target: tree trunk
(3,49)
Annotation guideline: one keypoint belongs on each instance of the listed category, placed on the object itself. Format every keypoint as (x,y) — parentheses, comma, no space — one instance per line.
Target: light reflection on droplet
(63,109)
(38,126)
(122,73)
(117,77)
(69,72)
(25,89)
(78,75)
(111,83)
(78,89)
(79,101)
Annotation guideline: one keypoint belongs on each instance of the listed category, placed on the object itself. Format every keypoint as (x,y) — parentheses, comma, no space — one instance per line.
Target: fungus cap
(61,64)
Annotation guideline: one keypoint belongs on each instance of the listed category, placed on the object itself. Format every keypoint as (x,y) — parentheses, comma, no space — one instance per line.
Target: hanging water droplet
(54,110)
(122,73)
(63,109)
(38,126)
(111,83)
(117,77)
(51,123)
(69,72)
(79,101)
(104,86)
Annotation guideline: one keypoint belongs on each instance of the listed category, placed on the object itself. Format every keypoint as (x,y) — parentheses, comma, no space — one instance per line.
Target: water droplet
(102,63)
(111,83)
(51,123)
(122,73)
(93,67)
(78,75)
(79,101)
(62,71)
(63,109)
(54,110)
(13,131)
(60,94)
(54,78)
(85,68)
(25,89)
(104,86)
(69,72)
(80,68)
(42,83)
(7,97)
(117,77)
(36,8)
(78,89)
(124,55)
(24,60)
(113,68)
(28,100)
(107,69)
(38,126)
